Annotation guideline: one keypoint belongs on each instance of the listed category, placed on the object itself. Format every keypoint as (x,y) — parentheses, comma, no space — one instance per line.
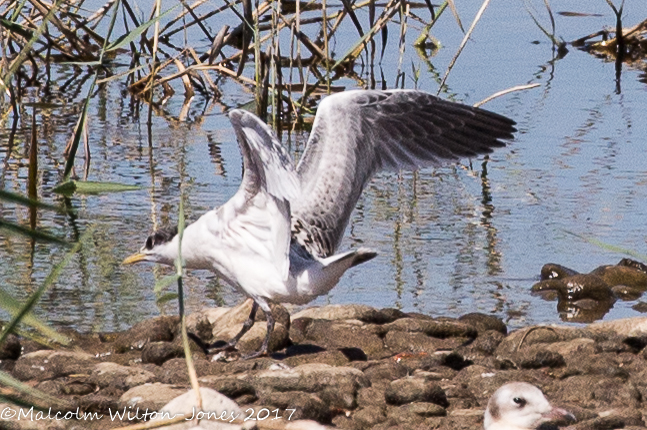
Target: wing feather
(357,133)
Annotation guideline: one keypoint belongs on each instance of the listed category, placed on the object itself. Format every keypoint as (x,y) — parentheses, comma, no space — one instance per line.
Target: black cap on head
(160,236)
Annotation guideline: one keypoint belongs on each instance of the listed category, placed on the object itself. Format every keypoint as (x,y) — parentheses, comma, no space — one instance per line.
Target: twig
(504,92)
(463,43)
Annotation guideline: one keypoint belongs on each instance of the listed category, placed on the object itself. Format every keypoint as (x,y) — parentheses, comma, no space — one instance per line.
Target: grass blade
(12,228)
(92,187)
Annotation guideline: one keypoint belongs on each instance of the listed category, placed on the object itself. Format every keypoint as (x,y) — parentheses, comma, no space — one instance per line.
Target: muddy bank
(349,367)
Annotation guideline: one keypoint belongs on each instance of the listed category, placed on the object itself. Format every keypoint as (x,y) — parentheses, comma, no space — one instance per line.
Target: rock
(228,385)
(216,411)
(409,390)
(306,406)
(398,342)
(159,329)
(388,370)
(151,397)
(483,323)
(592,391)
(485,344)
(640,307)
(332,358)
(253,339)
(174,371)
(310,378)
(338,312)
(10,348)
(305,425)
(121,377)
(345,334)
(425,409)
(435,328)
(159,352)
(577,287)
(371,398)
(227,323)
(622,275)
(556,271)
(367,418)
(626,327)
(49,364)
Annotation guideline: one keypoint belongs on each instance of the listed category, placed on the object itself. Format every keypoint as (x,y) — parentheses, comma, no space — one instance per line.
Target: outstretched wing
(257,217)
(267,165)
(357,133)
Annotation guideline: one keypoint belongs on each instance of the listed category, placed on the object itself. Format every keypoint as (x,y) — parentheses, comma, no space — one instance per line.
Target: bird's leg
(246,326)
(270,328)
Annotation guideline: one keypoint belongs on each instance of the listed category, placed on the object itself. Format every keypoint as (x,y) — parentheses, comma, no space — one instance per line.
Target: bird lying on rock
(275,239)
(521,406)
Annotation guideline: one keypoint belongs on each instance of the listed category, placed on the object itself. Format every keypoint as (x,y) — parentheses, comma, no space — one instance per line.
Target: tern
(276,239)
(521,406)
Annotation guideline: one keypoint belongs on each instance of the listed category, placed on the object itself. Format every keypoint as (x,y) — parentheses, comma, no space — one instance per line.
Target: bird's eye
(149,242)
(520,401)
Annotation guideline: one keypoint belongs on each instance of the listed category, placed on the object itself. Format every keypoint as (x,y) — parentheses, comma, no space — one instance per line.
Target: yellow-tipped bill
(135,258)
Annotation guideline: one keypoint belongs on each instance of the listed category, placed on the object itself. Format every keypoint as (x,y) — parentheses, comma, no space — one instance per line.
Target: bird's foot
(260,353)
(219,346)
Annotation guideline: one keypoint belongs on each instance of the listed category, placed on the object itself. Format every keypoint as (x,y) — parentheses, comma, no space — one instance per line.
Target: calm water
(451,240)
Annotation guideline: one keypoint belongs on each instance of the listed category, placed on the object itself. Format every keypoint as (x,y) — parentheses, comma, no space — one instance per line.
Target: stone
(345,334)
(408,390)
(307,406)
(215,414)
(482,322)
(121,377)
(10,348)
(367,418)
(332,358)
(151,397)
(160,352)
(159,329)
(49,364)
(310,378)
(228,385)
(435,328)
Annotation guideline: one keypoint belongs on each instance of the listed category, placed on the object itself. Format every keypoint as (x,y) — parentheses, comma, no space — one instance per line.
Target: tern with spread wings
(276,239)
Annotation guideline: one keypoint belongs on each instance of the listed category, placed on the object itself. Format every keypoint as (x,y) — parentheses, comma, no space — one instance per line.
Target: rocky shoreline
(338,366)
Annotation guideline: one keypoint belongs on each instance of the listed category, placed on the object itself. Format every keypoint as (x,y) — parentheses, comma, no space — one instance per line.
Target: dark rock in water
(556,271)
(633,263)
(578,287)
(626,293)
(410,389)
(482,322)
(584,310)
(10,348)
(622,275)
(158,329)
(640,307)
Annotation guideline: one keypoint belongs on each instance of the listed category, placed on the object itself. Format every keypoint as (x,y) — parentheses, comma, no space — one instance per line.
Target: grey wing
(357,133)
(267,165)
